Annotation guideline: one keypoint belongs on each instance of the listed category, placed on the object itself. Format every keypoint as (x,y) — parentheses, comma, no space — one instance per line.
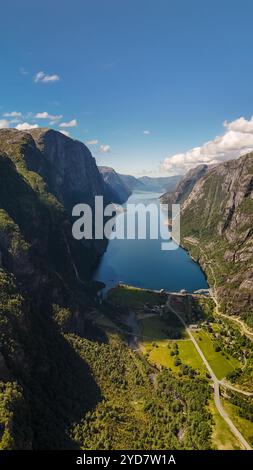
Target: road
(216,382)
(245,330)
(235,389)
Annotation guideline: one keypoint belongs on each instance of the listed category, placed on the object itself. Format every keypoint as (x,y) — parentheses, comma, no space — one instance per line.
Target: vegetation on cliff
(217,221)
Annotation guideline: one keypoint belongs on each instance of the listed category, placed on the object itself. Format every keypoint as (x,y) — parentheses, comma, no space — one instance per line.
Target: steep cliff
(66,165)
(119,190)
(217,228)
(184,187)
(45,288)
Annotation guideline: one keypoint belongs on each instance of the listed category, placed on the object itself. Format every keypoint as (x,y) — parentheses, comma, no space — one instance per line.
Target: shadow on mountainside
(58,385)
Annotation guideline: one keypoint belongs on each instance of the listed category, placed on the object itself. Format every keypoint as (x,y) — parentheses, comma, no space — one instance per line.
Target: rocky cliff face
(45,287)
(66,165)
(36,242)
(184,187)
(119,190)
(217,226)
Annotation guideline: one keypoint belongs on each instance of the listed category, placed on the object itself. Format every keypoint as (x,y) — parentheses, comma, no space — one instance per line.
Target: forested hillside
(217,221)
(65,382)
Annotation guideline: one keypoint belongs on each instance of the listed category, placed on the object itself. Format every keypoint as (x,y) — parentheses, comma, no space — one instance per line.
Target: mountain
(134,184)
(120,192)
(217,221)
(45,287)
(184,187)
(124,185)
(160,184)
(68,378)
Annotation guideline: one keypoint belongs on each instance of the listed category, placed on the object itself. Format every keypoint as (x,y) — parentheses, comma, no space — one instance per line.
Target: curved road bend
(216,383)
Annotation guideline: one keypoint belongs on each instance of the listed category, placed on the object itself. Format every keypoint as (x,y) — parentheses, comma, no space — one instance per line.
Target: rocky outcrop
(66,165)
(217,219)
(37,190)
(184,187)
(119,191)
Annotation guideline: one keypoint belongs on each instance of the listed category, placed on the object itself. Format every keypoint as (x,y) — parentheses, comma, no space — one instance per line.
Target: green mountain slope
(65,382)
(45,386)
(217,228)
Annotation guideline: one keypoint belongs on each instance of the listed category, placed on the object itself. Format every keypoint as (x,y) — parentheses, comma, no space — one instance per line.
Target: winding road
(216,382)
(245,330)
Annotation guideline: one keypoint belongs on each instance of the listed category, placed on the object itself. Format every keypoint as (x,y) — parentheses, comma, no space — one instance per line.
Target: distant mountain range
(148,183)
(134,184)
(123,185)
(159,184)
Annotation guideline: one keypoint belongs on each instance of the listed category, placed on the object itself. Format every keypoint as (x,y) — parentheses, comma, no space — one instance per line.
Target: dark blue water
(142,263)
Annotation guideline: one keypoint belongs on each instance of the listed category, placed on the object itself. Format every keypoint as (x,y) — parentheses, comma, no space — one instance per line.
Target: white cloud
(72,123)
(146,132)
(240,125)
(66,133)
(92,142)
(42,77)
(105,148)
(26,126)
(14,114)
(45,115)
(236,141)
(4,123)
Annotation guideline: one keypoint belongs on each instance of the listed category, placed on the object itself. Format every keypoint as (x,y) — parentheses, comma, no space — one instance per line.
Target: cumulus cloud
(105,148)
(42,77)
(146,132)
(235,141)
(66,133)
(92,142)
(25,126)
(46,115)
(4,123)
(240,125)
(13,114)
(72,123)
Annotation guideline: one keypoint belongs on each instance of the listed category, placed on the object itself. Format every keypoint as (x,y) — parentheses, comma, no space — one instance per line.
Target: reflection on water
(142,263)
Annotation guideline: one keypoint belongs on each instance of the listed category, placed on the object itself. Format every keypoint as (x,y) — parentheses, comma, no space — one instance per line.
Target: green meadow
(221,364)
(130,296)
(157,346)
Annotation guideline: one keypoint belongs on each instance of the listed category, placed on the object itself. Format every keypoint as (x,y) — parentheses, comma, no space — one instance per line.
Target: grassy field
(153,329)
(156,330)
(160,355)
(220,364)
(129,296)
(244,425)
(222,437)
(189,355)
(156,344)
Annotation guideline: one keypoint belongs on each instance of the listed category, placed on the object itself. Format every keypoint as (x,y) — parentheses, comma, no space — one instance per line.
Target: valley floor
(182,334)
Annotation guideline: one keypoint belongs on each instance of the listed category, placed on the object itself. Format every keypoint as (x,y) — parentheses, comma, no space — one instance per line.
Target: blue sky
(116,68)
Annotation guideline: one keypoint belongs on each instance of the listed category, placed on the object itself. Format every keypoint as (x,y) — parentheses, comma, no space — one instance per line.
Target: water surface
(142,263)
